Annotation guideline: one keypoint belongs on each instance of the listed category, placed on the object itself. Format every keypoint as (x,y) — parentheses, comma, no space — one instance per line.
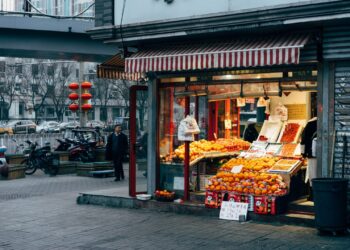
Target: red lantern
(73,107)
(73,85)
(86,96)
(73,96)
(86,85)
(86,106)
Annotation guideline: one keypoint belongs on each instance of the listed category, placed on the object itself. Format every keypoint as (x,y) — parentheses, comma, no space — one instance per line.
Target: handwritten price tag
(232,210)
(236,169)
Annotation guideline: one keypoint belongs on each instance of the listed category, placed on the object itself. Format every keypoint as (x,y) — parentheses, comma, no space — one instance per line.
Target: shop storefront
(266,88)
(248,103)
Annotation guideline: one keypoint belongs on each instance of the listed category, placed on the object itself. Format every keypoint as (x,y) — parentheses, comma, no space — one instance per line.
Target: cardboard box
(213,199)
(242,198)
(270,204)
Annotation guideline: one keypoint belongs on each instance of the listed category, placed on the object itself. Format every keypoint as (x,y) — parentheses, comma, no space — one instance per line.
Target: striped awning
(114,68)
(247,52)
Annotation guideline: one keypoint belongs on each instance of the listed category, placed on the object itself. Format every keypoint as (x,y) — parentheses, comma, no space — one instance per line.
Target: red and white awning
(252,52)
(114,68)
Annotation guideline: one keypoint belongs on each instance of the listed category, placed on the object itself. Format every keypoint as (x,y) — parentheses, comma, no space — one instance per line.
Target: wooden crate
(100,155)
(63,155)
(15,159)
(84,169)
(67,167)
(15,172)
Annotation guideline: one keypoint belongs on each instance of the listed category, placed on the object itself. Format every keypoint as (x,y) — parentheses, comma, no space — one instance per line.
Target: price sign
(178,183)
(236,169)
(232,210)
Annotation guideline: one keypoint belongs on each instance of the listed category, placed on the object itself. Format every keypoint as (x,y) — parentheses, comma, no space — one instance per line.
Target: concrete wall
(159,10)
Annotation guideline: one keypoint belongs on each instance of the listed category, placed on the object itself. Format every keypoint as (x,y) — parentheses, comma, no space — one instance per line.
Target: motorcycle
(39,158)
(63,145)
(82,150)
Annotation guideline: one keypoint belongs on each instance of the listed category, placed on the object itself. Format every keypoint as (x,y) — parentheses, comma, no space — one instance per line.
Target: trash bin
(330,195)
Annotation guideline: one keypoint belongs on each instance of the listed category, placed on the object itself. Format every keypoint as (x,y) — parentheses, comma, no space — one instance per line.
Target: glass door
(138,140)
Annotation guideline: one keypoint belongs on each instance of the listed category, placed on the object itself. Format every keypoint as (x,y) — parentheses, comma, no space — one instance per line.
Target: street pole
(82,114)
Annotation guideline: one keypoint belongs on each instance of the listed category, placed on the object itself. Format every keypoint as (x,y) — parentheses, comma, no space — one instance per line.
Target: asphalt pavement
(40,212)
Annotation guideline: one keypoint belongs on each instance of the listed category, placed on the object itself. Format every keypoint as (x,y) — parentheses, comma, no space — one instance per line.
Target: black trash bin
(330,196)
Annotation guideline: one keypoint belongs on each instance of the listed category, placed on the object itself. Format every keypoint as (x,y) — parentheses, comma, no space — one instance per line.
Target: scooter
(3,161)
(4,169)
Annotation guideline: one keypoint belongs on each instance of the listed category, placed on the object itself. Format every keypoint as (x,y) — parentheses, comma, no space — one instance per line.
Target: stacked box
(213,199)
(242,198)
(270,204)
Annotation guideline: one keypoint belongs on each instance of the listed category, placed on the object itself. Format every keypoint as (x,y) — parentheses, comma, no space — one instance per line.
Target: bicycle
(20,148)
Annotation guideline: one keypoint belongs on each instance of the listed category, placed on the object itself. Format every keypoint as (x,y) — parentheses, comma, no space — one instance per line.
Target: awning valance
(114,68)
(247,52)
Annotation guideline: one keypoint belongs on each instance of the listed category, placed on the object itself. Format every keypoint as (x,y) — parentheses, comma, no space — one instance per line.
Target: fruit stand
(257,173)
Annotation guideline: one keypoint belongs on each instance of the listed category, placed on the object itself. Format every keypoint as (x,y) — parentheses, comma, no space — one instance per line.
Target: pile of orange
(251,180)
(256,164)
(233,144)
(198,148)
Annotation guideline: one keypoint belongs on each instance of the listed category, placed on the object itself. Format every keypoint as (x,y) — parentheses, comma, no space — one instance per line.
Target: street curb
(189,209)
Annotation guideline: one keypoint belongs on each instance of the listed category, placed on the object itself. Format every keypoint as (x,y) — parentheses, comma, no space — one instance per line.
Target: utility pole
(82,114)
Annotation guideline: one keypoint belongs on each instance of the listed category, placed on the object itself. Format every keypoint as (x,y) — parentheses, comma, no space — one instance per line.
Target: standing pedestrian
(116,148)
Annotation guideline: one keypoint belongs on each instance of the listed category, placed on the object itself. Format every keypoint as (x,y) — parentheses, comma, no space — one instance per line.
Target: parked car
(68,125)
(22,126)
(95,124)
(4,129)
(48,127)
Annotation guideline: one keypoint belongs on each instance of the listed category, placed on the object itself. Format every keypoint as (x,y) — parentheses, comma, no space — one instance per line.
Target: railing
(33,10)
(41,139)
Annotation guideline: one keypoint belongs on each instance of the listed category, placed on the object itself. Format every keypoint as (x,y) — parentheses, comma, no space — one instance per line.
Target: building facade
(37,90)
(52,7)
(159,24)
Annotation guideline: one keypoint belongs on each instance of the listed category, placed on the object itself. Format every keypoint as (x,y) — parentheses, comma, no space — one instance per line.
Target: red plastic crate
(213,199)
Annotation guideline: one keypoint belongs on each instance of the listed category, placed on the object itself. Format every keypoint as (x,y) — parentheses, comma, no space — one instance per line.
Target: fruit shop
(234,121)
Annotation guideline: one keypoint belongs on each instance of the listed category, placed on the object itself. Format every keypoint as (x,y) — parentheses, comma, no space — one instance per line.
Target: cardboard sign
(228,124)
(178,183)
(237,169)
(232,210)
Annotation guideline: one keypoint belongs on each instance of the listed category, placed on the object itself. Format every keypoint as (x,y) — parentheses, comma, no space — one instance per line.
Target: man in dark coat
(116,148)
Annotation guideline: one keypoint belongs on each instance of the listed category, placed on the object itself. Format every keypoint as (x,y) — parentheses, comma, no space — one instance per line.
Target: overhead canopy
(114,68)
(248,52)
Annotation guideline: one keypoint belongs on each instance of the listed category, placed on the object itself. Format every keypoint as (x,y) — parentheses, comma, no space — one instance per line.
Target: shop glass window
(171,112)
(21,108)
(103,114)
(50,112)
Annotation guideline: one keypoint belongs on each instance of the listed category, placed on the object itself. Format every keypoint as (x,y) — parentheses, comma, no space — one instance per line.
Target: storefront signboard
(155,11)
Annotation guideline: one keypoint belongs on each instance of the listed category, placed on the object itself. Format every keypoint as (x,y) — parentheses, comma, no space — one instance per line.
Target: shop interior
(256,132)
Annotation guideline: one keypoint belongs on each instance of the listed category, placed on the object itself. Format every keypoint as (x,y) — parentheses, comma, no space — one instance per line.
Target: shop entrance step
(193,208)
(302,206)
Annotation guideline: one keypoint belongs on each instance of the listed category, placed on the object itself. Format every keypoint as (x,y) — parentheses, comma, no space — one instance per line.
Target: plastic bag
(187,128)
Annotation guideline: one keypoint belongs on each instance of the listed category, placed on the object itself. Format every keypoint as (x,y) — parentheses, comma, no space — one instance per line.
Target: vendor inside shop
(251,132)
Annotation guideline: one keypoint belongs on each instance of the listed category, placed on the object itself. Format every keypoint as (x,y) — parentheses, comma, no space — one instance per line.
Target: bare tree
(9,89)
(38,87)
(141,103)
(122,90)
(103,95)
(60,91)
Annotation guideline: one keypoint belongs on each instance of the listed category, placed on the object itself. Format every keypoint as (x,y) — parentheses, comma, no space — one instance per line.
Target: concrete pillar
(152,135)
(325,123)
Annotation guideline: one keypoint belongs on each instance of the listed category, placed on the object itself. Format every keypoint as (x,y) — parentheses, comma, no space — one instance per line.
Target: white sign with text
(178,183)
(231,210)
